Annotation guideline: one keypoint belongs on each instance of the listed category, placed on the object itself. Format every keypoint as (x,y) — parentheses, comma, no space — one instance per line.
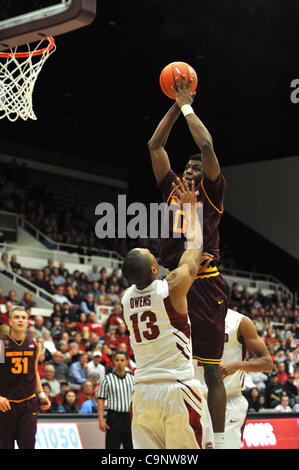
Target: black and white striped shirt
(117,391)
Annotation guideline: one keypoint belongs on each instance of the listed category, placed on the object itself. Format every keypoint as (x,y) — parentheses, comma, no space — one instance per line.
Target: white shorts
(170,415)
(235,415)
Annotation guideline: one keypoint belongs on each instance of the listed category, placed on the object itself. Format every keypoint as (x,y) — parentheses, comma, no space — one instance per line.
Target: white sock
(219,440)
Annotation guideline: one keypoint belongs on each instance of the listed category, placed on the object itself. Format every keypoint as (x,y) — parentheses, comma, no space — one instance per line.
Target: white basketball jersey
(159,336)
(233,351)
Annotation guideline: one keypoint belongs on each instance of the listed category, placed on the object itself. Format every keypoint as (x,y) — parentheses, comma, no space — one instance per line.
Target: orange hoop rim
(31,53)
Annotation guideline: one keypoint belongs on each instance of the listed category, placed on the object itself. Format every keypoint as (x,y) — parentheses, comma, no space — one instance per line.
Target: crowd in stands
(77,341)
(86,327)
(277,322)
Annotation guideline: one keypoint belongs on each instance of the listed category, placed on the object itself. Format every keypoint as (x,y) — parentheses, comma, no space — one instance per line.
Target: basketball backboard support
(42,19)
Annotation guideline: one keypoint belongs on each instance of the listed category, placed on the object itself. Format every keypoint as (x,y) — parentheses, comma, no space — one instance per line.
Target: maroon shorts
(207,306)
(19,424)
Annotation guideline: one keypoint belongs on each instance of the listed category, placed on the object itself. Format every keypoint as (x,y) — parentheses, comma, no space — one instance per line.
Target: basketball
(173,71)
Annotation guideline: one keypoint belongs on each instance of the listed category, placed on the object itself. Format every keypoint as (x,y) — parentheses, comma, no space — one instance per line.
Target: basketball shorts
(19,424)
(207,306)
(235,416)
(170,415)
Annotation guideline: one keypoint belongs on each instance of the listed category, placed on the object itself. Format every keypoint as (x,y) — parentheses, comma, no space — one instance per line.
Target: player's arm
(4,403)
(199,132)
(156,144)
(102,423)
(44,401)
(248,335)
(192,260)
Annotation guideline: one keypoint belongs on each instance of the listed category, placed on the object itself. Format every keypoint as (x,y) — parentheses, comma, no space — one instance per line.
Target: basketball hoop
(18,74)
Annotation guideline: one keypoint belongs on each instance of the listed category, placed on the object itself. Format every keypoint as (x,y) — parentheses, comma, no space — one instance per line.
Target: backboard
(27,21)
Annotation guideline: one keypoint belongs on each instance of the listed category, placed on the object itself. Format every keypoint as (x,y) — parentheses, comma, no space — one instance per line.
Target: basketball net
(18,74)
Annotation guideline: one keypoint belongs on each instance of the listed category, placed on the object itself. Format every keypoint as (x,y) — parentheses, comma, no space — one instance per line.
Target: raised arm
(199,132)
(192,260)
(156,144)
(248,335)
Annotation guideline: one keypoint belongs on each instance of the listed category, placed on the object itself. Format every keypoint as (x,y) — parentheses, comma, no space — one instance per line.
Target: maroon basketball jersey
(17,373)
(210,196)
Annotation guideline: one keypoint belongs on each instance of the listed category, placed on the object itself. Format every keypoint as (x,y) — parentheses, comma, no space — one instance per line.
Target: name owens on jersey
(159,336)
(17,371)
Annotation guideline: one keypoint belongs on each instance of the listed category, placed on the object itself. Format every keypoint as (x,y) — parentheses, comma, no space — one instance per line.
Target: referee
(116,388)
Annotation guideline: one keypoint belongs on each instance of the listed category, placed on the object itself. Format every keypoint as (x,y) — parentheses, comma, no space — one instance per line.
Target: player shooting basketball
(207,300)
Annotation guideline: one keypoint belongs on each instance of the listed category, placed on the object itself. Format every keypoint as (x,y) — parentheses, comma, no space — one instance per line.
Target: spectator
(123,337)
(57,278)
(63,271)
(259,379)
(96,326)
(64,386)
(73,297)
(60,366)
(12,297)
(60,297)
(78,371)
(57,329)
(90,406)
(273,391)
(78,338)
(131,366)
(41,364)
(94,275)
(116,317)
(111,337)
(112,294)
(261,403)
(4,263)
(87,392)
(49,343)
(282,376)
(283,407)
(69,404)
(39,280)
(88,305)
(27,300)
(252,399)
(39,326)
(94,290)
(83,325)
(47,390)
(73,354)
(51,380)
(291,389)
(95,365)
(15,266)
(50,265)
(63,347)
(43,349)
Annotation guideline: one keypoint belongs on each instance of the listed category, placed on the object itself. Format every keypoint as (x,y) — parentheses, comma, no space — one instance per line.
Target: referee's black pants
(120,430)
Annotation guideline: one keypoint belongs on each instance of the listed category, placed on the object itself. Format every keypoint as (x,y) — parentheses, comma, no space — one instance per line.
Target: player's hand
(182,91)
(103,426)
(4,404)
(229,369)
(184,195)
(205,260)
(45,404)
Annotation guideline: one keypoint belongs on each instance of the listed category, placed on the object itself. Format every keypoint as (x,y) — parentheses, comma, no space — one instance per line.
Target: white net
(18,74)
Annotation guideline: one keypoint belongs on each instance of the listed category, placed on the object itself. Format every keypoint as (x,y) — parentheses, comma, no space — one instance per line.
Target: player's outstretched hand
(184,195)
(182,91)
